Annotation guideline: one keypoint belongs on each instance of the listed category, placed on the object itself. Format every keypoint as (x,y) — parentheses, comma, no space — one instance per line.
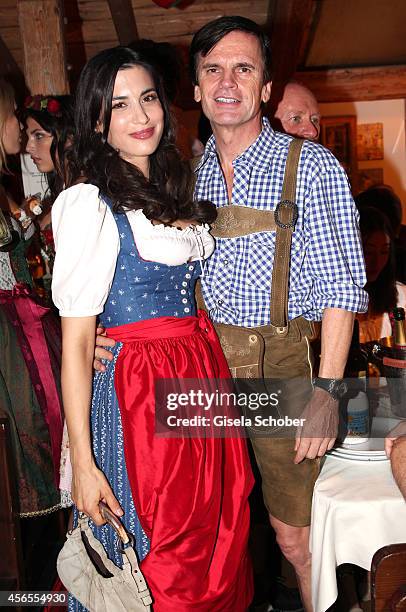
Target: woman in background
(29,355)
(48,122)
(384,199)
(385,293)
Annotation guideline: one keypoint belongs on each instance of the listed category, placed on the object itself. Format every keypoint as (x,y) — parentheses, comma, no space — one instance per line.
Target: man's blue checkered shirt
(327,265)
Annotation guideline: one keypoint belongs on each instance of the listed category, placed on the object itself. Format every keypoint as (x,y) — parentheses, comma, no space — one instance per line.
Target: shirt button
(186,310)
(184,301)
(188,276)
(191,268)
(183,291)
(220,302)
(226,262)
(184,284)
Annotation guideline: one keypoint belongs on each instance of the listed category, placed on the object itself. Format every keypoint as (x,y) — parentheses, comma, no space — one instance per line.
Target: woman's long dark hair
(382,292)
(60,125)
(167,194)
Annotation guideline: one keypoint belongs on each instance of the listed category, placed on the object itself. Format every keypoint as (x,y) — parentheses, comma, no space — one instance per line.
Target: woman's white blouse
(87,244)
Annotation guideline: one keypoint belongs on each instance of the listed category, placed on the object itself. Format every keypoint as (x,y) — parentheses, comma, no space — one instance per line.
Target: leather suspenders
(233,221)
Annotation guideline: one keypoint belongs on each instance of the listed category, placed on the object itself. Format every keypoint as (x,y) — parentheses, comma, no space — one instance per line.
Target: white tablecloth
(357,509)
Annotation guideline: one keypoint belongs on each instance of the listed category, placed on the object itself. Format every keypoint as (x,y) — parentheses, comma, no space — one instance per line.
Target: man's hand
(318,433)
(100,352)
(390,440)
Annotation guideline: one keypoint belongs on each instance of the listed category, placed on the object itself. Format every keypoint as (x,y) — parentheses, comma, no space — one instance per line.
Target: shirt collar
(257,154)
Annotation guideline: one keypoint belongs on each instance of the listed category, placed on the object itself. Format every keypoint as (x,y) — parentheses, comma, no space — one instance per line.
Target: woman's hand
(89,487)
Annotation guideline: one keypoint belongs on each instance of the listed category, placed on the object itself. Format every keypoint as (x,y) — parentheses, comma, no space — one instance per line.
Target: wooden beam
(124,21)
(352,84)
(289,27)
(42,35)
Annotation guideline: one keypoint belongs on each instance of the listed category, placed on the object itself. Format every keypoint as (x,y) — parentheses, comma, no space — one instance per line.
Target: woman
(383,290)
(125,252)
(384,199)
(48,122)
(29,359)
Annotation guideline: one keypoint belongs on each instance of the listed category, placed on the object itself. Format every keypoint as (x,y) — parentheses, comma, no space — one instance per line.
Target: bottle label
(395,363)
(358,415)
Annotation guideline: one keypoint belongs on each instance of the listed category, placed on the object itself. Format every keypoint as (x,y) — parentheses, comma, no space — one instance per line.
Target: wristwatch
(335,386)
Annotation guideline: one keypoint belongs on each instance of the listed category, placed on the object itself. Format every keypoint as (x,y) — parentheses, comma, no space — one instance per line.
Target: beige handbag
(95,581)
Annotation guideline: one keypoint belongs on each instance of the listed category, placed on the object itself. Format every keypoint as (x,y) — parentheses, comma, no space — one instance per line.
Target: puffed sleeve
(87,244)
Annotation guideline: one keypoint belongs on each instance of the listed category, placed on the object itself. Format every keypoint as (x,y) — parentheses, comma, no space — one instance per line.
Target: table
(357,509)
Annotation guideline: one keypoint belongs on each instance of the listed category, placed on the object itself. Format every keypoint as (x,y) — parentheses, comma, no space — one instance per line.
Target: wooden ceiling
(343,49)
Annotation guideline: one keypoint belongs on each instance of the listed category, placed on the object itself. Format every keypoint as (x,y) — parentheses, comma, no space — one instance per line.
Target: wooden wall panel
(11,37)
(8,16)
(91,32)
(165,25)
(352,84)
(171,25)
(89,27)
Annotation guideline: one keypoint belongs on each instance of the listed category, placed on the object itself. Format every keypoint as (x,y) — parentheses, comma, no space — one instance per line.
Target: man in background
(298,112)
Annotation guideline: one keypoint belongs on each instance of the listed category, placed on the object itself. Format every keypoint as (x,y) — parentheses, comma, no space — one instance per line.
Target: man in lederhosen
(248,284)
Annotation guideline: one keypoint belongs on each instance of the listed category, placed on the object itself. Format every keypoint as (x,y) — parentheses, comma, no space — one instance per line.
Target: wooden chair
(388,579)
(11,558)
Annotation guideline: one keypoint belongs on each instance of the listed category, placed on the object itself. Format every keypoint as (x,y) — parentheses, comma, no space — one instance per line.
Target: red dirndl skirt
(191,494)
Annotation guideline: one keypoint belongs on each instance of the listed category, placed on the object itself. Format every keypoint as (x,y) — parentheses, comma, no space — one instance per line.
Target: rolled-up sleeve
(334,256)
(87,244)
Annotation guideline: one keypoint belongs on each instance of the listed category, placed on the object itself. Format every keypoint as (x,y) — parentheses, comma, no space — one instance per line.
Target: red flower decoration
(53,106)
(28,101)
(48,236)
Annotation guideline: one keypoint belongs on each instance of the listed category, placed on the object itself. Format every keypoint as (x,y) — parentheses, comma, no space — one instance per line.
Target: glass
(5,234)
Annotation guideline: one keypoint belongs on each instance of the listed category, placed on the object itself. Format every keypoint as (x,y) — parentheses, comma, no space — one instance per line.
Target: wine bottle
(399,331)
(357,361)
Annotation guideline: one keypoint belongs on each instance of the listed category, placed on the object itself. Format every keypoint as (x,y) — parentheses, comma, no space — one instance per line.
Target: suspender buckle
(280,331)
(294,214)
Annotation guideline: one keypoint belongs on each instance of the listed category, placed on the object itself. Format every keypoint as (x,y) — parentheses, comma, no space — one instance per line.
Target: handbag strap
(139,579)
(286,214)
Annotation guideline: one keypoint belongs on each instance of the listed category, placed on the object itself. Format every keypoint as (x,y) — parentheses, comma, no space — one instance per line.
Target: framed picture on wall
(370,141)
(339,134)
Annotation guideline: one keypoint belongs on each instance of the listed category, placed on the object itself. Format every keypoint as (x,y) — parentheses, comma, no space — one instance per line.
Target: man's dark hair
(210,34)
